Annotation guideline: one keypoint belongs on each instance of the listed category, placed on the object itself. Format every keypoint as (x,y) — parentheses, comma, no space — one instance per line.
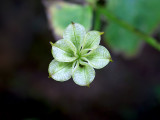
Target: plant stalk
(150,40)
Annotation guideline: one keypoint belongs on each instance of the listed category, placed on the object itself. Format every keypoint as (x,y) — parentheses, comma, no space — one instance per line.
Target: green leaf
(83,75)
(64,51)
(60,71)
(61,13)
(75,33)
(91,40)
(141,14)
(98,58)
(122,40)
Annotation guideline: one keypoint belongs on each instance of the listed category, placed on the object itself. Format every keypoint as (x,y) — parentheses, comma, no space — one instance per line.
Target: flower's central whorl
(77,54)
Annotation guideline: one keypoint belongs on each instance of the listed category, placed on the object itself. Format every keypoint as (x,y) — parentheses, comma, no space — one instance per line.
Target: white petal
(83,75)
(60,71)
(75,33)
(98,58)
(63,51)
(91,40)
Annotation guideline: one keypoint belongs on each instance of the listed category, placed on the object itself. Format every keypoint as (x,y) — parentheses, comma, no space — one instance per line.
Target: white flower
(77,54)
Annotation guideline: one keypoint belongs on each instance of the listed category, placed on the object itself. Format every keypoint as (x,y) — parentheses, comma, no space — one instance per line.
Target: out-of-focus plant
(128,21)
(131,21)
(77,54)
(61,14)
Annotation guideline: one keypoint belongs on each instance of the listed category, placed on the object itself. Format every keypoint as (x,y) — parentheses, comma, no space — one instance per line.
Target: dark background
(126,89)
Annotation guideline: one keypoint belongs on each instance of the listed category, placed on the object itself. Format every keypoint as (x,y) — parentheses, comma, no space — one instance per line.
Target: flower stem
(150,40)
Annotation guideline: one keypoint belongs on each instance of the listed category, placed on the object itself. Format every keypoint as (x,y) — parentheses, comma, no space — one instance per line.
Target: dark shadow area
(123,90)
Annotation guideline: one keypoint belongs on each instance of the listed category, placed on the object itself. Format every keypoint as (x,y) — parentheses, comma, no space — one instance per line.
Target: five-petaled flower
(77,54)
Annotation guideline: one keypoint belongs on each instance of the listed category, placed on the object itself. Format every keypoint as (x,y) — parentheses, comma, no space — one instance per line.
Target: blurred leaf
(61,14)
(142,14)
(92,2)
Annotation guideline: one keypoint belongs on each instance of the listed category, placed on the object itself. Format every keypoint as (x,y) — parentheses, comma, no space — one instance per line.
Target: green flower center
(79,55)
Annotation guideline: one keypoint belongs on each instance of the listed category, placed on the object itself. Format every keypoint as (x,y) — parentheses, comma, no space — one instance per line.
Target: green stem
(150,40)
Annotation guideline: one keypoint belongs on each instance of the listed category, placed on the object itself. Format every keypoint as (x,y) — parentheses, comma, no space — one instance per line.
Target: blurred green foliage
(140,15)
(63,13)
